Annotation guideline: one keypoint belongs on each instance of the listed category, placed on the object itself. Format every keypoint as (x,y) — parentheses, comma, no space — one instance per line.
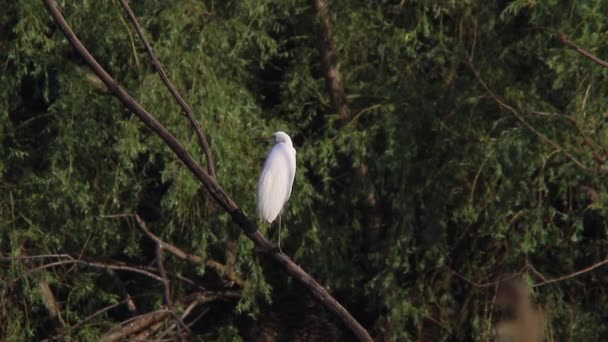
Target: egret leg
(279,243)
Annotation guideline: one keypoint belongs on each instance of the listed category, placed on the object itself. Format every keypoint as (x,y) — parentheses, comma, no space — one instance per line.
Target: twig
(196,300)
(598,157)
(76,262)
(163,274)
(472,282)
(194,259)
(123,291)
(180,100)
(570,44)
(168,301)
(40,256)
(262,244)
(95,264)
(572,275)
(522,120)
(97,313)
(488,284)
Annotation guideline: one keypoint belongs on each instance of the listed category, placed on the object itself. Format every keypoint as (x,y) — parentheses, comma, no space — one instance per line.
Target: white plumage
(276,180)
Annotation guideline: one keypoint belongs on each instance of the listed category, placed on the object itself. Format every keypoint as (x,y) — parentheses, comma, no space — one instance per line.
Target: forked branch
(238,216)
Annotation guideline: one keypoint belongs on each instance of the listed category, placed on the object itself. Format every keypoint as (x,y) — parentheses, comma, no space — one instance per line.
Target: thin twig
(96,264)
(163,274)
(523,121)
(194,259)
(168,301)
(97,313)
(101,311)
(472,282)
(180,100)
(105,266)
(572,275)
(570,44)
(123,291)
(597,156)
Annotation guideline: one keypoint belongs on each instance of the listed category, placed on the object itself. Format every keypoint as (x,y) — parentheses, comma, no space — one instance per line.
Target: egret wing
(274,187)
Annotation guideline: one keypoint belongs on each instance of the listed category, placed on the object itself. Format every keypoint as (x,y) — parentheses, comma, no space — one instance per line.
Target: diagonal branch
(570,44)
(521,119)
(238,216)
(180,100)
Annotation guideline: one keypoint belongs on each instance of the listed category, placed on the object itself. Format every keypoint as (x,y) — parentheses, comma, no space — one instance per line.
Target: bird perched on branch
(276,180)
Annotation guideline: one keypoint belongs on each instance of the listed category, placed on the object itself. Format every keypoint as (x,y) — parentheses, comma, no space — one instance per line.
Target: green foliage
(464,186)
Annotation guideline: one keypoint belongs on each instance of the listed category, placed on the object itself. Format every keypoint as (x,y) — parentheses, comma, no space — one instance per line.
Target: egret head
(281,137)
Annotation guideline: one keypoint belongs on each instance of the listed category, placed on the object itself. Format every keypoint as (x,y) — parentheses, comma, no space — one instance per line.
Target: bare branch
(572,275)
(180,100)
(238,216)
(570,44)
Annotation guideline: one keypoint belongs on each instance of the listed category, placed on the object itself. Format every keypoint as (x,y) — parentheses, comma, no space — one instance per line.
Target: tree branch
(98,264)
(564,40)
(142,322)
(143,326)
(127,299)
(167,286)
(571,275)
(329,58)
(194,259)
(238,216)
(69,259)
(521,119)
(180,100)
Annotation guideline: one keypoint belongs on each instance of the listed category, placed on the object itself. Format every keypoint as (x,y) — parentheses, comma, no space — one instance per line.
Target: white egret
(276,180)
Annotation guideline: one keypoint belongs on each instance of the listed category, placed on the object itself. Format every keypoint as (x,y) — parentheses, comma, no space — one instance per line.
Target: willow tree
(471,152)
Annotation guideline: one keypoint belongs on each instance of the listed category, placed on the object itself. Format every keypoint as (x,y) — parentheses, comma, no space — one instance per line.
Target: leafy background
(466,192)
